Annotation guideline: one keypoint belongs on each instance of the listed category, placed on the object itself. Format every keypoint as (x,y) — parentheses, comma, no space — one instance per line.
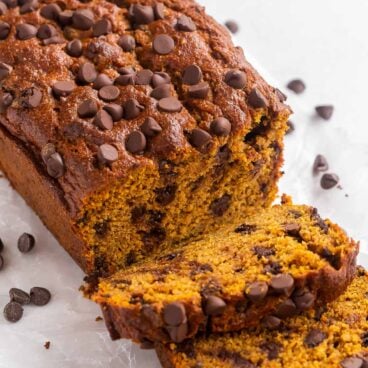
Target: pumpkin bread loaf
(331,337)
(131,125)
(279,262)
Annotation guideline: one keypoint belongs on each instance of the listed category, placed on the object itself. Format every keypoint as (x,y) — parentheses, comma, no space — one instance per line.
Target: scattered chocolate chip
(107,154)
(142,14)
(353,362)
(19,296)
(174,314)
(4,30)
(132,108)
(26,243)
(163,44)
(297,86)
(290,127)
(185,24)
(199,90)
(83,19)
(192,75)
(25,31)
(220,127)
(150,127)
(144,77)
(303,299)
(13,312)
(320,164)
(66,17)
(87,109)
(127,43)
(214,306)
(286,309)
(87,73)
(246,229)
(329,181)
(5,70)
(51,11)
(256,99)
(31,97)
(103,120)
(282,283)
(292,229)
(159,11)
(102,80)
(47,345)
(271,322)
(236,79)
(160,78)
(314,338)
(63,88)
(170,104)
(272,349)
(115,111)
(178,333)
(102,27)
(219,206)
(136,142)
(161,92)
(74,48)
(201,140)
(40,296)
(55,166)
(325,112)
(232,26)
(109,93)
(46,31)
(257,291)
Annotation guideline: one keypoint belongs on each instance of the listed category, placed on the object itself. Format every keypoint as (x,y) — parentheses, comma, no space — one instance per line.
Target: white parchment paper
(322,42)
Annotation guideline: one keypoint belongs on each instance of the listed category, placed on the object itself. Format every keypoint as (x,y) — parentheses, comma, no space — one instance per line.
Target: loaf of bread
(279,262)
(130,126)
(332,337)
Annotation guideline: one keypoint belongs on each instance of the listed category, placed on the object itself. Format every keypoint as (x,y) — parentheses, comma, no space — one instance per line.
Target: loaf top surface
(93,89)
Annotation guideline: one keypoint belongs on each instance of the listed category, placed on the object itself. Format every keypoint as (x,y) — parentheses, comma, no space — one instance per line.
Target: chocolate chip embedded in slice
(25,31)
(87,73)
(199,90)
(170,104)
(160,78)
(53,40)
(257,291)
(325,111)
(161,92)
(297,86)
(116,111)
(303,299)
(19,296)
(220,127)
(13,312)
(163,44)
(132,108)
(74,48)
(4,30)
(256,99)
(192,75)
(6,99)
(127,43)
(51,11)
(141,14)
(286,309)
(271,322)
(102,27)
(87,109)
(201,140)
(26,243)
(63,88)
(314,338)
(103,120)
(174,314)
(282,283)
(353,362)
(65,18)
(220,205)
(31,98)
(214,306)
(40,296)
(178,333)
(107,154)
(232,26)
(55,166)
(150,127)
(236,79)
(185,24)
(144,77)
(320,164)
(5,70)
(329,181)
(83,19)
(102,80)
(246,229)
(46,31)
(292,229)
(109,93)
(136,143)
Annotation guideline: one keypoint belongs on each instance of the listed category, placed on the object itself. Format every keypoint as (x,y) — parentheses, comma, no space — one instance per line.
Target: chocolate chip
(353,362)
(55,166)
(314,338)
(214,306)
(50,11)
(290,127)
(201,140)
(292,229)
(232,26)
(142,14)
(150,127)
(63,88)
(165,195)
(31,97)
(28,7)
(143,77)
(303,299)
(40,296)
(178,333)
(236,79)
(66,17)
(109,93)
(256,99)
(83,19)
(185,24)
(47,345)
(6,99)
(126,79)
(107,154)
(163,44)
(219,206)
(159,11)
(329,181)
(286,309)
(4,30)
(325,112)
(174,314)
(26,243)
(103,120)
(192,75)
(127,43)
(297,86)
(272,349)
(136,142)
(53,40)
(13,312)
(102,80)
(1,262)
(87,109)
(87,73)
(160,78)
(115,111)
(271,322)
(161,92)
(102,27)
(281,95)
(19,296)
(132,108)
(246,229)
(220,127)
(3,8)
(320,164)
(170,104)
(46,31)
(282,283)
(25,31)
(5,70)
(199,90)
(74,48)
(257,291)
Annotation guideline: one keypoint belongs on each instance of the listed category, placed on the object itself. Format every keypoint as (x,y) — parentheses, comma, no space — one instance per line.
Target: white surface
(323,42)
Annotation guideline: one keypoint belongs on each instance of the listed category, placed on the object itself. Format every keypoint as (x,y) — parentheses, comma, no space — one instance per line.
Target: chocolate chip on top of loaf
(335,336)
(282,261)
(138,122)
